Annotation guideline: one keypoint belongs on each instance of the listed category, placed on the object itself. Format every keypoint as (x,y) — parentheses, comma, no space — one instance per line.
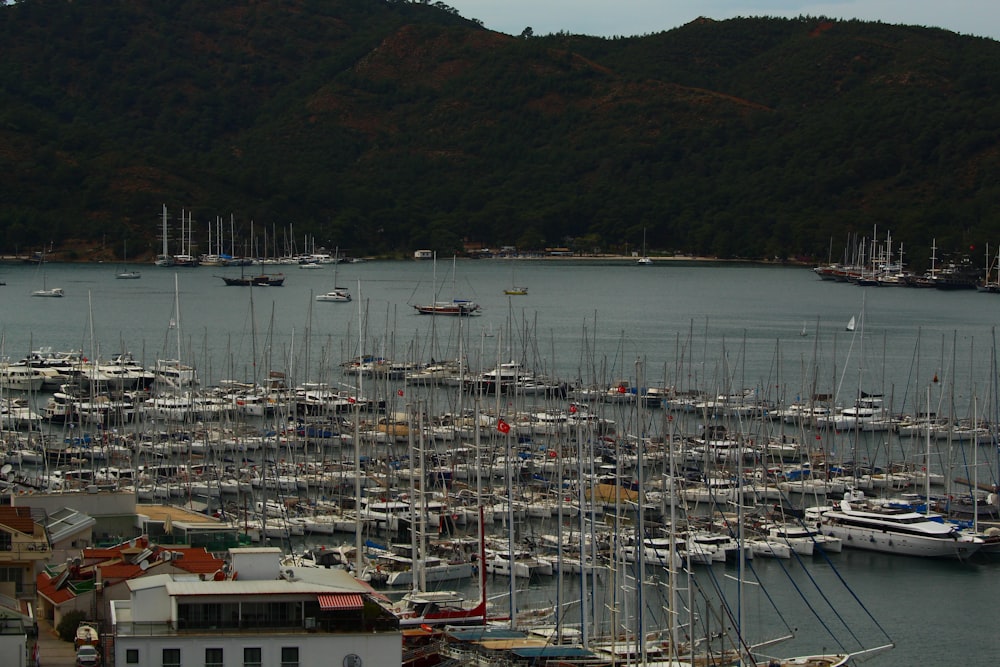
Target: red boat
(432,608)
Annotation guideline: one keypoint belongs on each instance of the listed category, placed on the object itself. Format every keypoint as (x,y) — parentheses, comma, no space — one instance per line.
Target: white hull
(432,574)
(897,532)
(904,545)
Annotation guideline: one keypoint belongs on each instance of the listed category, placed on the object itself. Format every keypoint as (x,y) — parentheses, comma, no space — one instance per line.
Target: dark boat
(459,307)
(263,280)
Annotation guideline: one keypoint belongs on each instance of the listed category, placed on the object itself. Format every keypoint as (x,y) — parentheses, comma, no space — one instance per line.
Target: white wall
(12,650)
(103,503)
(376,650)
(151,605)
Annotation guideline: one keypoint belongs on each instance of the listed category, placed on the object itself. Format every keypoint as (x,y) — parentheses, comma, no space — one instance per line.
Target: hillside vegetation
(380,127)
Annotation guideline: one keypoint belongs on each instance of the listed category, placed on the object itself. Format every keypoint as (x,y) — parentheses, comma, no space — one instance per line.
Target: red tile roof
(119,571)
(45,586)
(17,518)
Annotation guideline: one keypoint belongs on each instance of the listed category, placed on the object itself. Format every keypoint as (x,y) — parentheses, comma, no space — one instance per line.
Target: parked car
(87,656)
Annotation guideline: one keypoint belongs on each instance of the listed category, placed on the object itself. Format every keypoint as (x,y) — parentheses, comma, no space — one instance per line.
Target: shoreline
(694,259)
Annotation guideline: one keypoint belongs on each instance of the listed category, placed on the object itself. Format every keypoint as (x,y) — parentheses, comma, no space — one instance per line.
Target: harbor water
(777,332)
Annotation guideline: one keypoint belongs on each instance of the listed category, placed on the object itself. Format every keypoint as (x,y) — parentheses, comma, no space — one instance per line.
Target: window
(251,656)
(213,657)
(171,657)
(289,656)
(6,543)
(132,656)
(14,575)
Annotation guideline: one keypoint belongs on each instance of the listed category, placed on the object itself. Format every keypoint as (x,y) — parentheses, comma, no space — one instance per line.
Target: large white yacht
(897,531)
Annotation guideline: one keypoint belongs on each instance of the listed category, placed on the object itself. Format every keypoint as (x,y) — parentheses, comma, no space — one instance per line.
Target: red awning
(340,601)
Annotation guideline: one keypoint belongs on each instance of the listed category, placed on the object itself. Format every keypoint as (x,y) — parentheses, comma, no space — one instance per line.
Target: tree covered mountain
(385,126)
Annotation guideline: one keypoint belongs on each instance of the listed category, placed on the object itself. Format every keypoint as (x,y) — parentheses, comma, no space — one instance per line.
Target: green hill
(380,127)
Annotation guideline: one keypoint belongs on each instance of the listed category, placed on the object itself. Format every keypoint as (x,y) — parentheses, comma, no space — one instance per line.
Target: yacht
(867,414)
(19,377)
(897,531)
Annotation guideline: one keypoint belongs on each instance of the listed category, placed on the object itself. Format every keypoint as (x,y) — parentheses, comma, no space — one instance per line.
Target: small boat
(645,259)
(515,289)
(124,273)
(337,294)
(851,324)
(46,290)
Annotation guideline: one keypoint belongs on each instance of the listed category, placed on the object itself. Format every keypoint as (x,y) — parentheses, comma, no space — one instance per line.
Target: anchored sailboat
(459,307)
(337,294)
(644,260)
(46,290)
(123,272)
(515,289)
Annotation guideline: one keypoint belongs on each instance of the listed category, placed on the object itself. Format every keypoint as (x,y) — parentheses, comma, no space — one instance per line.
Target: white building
(258,615)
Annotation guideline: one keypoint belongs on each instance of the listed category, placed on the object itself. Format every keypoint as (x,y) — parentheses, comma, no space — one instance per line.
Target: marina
(566,417)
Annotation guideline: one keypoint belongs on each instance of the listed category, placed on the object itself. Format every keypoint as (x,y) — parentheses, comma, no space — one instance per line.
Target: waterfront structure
(257,612)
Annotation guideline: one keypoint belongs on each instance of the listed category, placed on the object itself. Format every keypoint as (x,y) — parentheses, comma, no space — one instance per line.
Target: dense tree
(382,126)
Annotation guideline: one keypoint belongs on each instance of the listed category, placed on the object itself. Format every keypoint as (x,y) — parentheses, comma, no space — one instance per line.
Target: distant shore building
(423,254)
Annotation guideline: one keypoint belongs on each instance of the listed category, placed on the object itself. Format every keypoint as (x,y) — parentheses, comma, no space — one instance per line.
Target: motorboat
(337,294)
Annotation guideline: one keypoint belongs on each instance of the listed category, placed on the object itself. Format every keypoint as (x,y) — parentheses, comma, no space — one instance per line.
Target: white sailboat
(515,289)
(46,290)
(164,258)
(123,272)
(851,324)
(337,294)
(645,260)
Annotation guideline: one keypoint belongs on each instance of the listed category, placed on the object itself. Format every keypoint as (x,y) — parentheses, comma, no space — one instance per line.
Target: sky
(608,18)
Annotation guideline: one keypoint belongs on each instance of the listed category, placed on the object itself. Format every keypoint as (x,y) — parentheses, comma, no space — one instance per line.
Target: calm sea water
(719,327)
(700,325)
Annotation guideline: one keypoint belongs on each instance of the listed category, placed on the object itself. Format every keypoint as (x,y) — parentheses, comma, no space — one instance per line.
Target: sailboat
(337,294)
(851,324)
(123,272)
(515,289)
(46,290)
(458,307)
(164,258)
(644,260)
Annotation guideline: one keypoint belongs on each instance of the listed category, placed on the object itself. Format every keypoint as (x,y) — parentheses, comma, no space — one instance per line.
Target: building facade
(248,618)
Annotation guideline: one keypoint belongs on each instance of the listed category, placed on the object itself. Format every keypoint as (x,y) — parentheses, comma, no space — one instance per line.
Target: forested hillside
(380,127)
